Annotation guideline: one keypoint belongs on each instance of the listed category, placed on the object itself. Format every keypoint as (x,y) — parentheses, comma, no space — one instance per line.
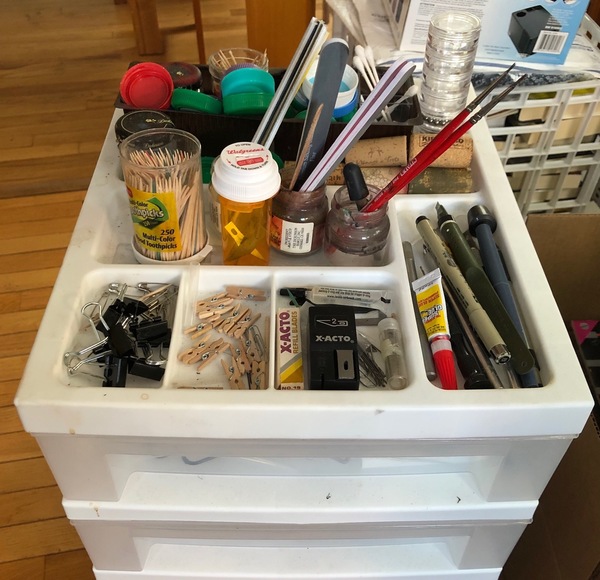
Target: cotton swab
(364,63)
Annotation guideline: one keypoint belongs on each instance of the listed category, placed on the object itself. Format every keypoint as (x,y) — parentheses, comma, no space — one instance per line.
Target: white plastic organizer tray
(51,402)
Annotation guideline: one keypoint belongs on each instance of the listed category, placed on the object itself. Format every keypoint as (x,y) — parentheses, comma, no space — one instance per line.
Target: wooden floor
(59,76)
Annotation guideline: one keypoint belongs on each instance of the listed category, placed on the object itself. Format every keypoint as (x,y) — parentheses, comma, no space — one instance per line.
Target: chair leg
(199,31)
(145,26)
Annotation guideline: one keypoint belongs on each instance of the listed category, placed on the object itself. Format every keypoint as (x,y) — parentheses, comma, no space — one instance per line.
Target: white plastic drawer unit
(506,442)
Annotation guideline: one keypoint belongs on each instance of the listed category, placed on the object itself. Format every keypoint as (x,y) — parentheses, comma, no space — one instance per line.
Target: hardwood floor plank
(74,565)
(28,280)
(38,539)
(19,322)
(7,392)
(34,260)
(9,421)
(35,243)
(24,475)
(27,569)
(32,505)
(18,446)
(35,299)
(19,343)
(13,366)
(49,199)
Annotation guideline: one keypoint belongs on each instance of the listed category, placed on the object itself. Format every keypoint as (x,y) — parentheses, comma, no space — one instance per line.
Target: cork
(337,176)
(382,152)
(459,154)
(377,176)
(381,176)
(440,180)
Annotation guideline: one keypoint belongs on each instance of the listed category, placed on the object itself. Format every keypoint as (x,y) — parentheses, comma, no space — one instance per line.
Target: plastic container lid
(347,109)
(347,90)
(135,121)
(246,103)
(147,85)
(246,172)
(188,100)
(247,80)
(184,74)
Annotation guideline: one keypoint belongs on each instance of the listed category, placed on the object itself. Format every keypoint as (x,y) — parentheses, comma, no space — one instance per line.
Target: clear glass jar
(355,238)
(298,219)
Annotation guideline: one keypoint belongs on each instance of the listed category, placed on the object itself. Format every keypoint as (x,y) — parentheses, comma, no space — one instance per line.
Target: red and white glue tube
(432,308)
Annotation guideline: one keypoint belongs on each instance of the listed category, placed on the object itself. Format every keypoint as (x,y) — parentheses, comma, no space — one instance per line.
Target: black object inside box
(217,131)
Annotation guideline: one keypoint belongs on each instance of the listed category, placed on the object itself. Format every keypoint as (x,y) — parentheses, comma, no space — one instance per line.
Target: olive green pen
(521,358)
(478,317)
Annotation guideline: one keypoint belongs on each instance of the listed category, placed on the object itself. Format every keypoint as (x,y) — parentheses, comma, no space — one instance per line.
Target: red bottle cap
(147,85)
(444,365)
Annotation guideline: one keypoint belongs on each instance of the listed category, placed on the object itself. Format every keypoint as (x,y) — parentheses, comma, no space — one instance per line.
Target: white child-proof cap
(246,172)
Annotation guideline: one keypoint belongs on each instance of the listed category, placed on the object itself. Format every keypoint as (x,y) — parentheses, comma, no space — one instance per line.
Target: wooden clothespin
(233,376)
(245,293)
(213,351)
(203,304)
(230,323)
(242,326)
(258,375)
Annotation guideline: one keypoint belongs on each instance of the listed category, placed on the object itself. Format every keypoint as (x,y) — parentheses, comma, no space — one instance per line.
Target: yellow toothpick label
(155,221)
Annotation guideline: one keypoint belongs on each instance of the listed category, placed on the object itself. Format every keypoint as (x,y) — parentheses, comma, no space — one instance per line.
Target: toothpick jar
(162,173)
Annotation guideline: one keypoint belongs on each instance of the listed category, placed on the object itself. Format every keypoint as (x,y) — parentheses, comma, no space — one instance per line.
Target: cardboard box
(563,542)
(528,31)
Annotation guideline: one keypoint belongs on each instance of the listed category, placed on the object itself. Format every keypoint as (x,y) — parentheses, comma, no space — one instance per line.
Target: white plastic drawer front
(101,468)
(223,551)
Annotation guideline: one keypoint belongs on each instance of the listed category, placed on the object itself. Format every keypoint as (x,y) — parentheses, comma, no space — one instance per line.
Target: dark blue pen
(482,225)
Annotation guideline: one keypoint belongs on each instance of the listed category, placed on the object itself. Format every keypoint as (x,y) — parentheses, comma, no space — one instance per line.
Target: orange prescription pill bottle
(245,177)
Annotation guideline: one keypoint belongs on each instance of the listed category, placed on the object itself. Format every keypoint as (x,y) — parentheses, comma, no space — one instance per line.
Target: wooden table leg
(199,31)
(145,25)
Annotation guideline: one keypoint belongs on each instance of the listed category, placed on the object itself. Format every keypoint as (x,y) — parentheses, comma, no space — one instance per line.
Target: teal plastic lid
(247,80)
(188,100)
(246,103)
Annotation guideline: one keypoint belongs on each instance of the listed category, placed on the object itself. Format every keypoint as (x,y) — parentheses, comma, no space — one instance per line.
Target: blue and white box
(531,31)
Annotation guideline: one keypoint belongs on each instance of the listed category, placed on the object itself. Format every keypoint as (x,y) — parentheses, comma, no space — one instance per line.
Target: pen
(482,225)
(477,315)
(468,364)
(409,258)
(521,358)
(484,361)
